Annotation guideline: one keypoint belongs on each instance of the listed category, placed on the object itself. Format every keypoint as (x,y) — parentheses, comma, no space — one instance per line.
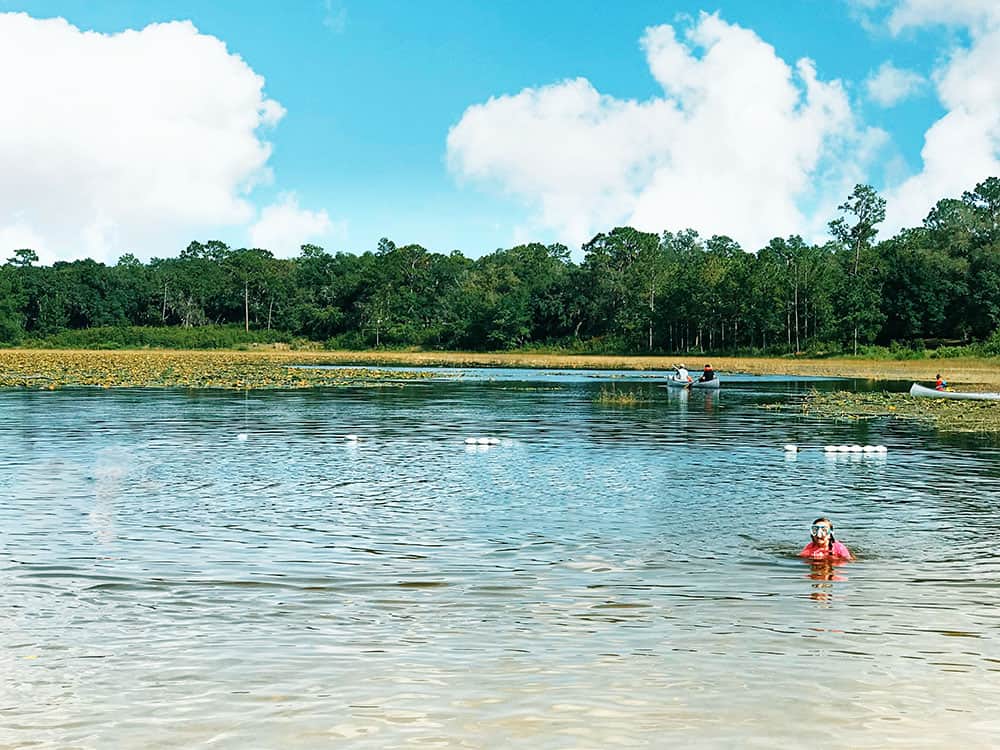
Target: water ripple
(601,577)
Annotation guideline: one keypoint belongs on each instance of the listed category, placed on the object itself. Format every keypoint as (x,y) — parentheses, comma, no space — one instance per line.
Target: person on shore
(682,373)
(707,374)
(822,545)
(940,384)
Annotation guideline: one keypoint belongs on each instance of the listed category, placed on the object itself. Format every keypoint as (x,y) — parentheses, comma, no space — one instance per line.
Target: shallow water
(604,577)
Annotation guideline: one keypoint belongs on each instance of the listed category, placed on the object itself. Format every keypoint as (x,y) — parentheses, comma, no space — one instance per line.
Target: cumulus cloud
(890,85)
(736,145)
(962,147)
(283,227)
(974,14)
(134,141)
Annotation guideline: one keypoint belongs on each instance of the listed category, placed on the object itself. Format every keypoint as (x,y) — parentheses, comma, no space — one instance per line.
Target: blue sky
(370,91)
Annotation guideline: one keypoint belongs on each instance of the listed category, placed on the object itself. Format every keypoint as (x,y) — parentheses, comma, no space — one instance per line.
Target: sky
(140,125)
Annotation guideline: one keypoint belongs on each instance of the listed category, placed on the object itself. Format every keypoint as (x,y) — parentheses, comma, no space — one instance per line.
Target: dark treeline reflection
(632,292)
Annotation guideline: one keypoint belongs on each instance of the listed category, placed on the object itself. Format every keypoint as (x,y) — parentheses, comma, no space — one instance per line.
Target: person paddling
(822,545)
(682,373)
(707,374)
(940,384)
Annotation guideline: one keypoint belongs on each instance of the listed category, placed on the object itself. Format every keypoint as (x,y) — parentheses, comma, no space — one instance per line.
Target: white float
(792,448)
(830,449)
(351,438)
(241,437)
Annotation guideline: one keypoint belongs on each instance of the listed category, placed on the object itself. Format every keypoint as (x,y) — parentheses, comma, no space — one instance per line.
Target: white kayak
(678,383)
(919,390)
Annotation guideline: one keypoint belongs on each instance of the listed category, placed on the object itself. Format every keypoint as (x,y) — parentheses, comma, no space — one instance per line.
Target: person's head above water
(822,544)
(822,531)
(822,526)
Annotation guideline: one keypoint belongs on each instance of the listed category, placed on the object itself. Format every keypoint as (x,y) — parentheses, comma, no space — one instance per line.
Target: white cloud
(865,12)
(16,235)
(283,227)
(963,147)
(733,147)
(334,16)
(974,14)
(135,141)
(890,85)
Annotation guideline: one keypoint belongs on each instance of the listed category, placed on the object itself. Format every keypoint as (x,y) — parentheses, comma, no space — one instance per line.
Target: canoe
(919,390)
(675,383)
(711,384)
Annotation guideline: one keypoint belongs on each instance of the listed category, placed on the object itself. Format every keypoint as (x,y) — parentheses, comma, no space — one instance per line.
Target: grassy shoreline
(150,367)
(171,368)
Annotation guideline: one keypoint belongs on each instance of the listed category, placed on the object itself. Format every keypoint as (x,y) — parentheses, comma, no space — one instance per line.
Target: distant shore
(270,367)
(969,370)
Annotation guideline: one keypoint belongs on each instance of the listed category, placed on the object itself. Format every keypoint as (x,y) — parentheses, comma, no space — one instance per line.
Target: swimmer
(823,545)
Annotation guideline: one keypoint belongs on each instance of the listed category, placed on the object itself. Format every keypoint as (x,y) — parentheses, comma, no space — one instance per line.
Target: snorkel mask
(820,531)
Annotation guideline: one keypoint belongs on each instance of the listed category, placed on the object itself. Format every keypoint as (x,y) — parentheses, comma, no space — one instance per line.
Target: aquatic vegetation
(613,396)
(946,415)
(51,369)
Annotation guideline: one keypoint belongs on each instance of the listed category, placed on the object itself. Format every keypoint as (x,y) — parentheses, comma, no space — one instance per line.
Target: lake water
(218,569)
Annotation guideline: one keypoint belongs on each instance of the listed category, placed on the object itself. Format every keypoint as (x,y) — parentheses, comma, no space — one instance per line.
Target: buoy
(483,441)
(493,441)
(843,449)
(470,441)
(830,449)
(792,448)
(351,438)
(856,449)
(869,449)
(241,437)
(881,449)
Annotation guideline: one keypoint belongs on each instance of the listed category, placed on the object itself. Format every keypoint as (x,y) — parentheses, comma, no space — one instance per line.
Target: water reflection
(824,573)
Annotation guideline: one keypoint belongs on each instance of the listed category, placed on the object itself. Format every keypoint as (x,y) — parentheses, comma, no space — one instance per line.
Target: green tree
(11,325)
(627,273)
(325,288)
(247,270)
(860,294)
(23,258)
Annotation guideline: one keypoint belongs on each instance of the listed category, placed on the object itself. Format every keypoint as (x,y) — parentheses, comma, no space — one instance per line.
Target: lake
(230,570)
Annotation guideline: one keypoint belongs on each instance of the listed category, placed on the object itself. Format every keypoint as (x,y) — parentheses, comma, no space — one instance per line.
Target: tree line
(632,292)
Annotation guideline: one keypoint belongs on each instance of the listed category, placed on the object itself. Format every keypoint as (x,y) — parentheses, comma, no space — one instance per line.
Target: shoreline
(154,367)
(970,370)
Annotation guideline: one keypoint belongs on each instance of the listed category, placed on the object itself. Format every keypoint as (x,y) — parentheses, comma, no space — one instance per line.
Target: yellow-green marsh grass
(614,397)
(51,369)
(944,414)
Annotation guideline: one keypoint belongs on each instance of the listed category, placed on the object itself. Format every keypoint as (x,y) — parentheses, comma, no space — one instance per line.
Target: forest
(936,285)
